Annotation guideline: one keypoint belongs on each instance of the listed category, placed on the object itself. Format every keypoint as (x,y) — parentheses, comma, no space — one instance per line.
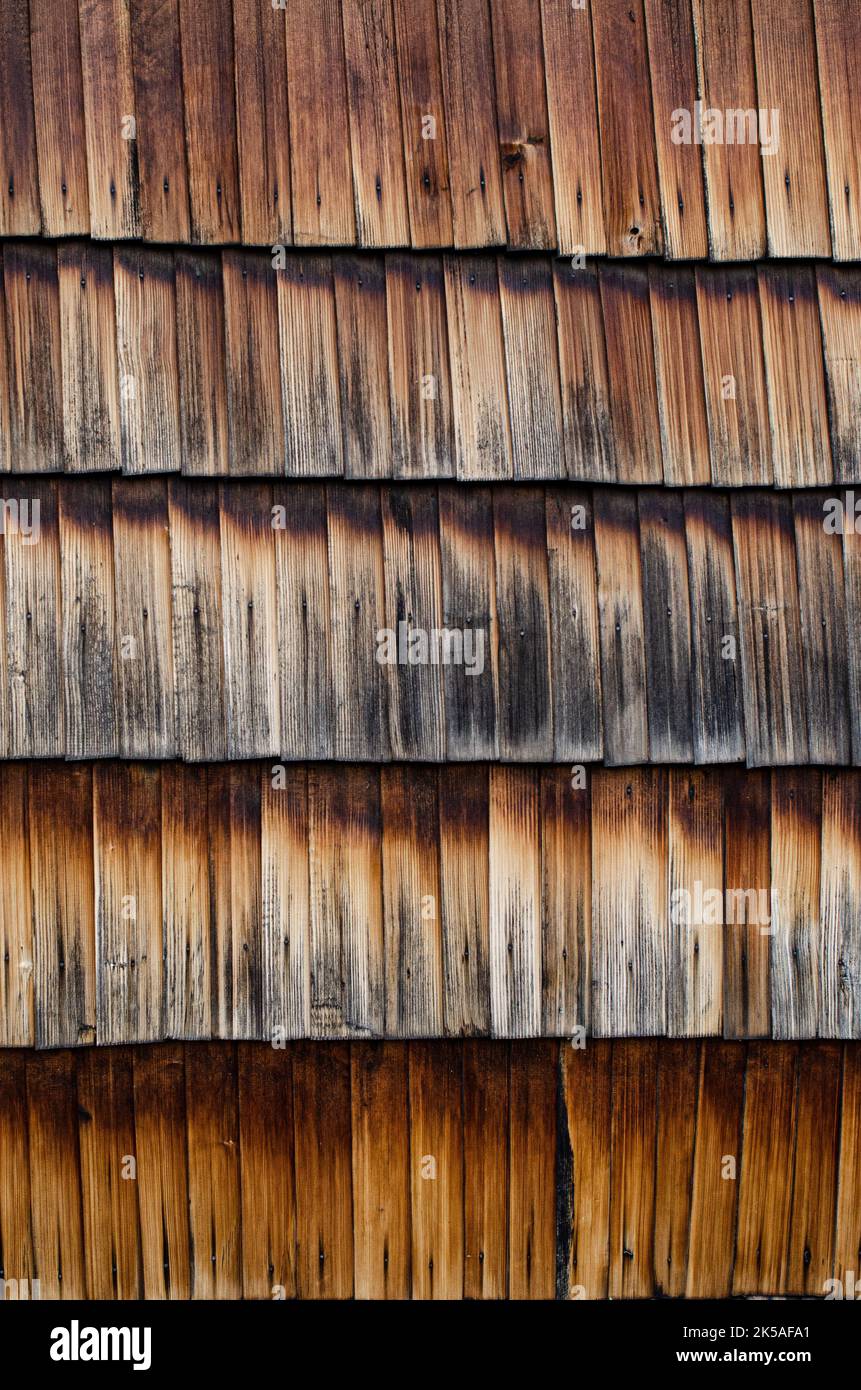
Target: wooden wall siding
(258,900)
(420,366)
(184,618)
(431,1170)
(456,125)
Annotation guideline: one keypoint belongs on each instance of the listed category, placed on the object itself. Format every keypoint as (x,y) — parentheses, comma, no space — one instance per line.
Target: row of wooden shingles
(395,124)
(251,901)
(416,367)
(446,1170)
(203,621)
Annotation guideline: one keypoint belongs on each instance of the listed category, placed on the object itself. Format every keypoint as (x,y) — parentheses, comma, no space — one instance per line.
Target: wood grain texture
(574,631)
(765,1171)
(747,876)
(58,100)
(19,201)
(667,626)
(714,1181)
(795,928)
(522,120)
(62,884)
(536,623)
(734,376)
(381,1170)
(206,39)
(376,138)
(33,356)
(436,1170)
(320,159)
(197,620)
(632,1179)
(308,333)
(262,122)
(482,427)
(485,1169)
(678,1067)
(109,108)
(357,595)
(631,373)
(17,929)
(211,1100)
(525,702)
(301,535)
(251,697)
(770,630)
(129,967)
(414,597)
(430,1170)
(415,366)
(733,173)
(532,368)
(331,902)
(347,940)
(628,156)
(419,372)
(532,1136)
(837,43)
(629,897)
(253,366)
(678,371)
(584,374)
(795,377)
(268,1177)
(142,578)
(145,294)
(515,903)
(464,852)
(622,633)
(793,176)
(109,1201)
(88,619)
(160,130)
(360,303)
(91,399)
(672,64)
(411,901)
(33,626)
(821,595)
(426,157)
(323,1158)
(466,55)
(695,957)
(372,123)
(717,702)
(839,305)
(839,995)
(162,1153)
(573,123)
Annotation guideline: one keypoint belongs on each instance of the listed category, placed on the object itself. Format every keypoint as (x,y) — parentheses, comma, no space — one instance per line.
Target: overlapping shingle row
(624,127)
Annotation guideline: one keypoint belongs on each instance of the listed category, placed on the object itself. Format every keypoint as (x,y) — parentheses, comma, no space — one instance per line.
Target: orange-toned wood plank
(436,1170)
(485,1168)
(324,1192)
(573,121)
(381,1170)
(628,158)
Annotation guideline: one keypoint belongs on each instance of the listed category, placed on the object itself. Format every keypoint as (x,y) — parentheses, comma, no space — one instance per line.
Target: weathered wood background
(389,123)
(432,1170)
(190,619)
(142,903)
(420,366)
